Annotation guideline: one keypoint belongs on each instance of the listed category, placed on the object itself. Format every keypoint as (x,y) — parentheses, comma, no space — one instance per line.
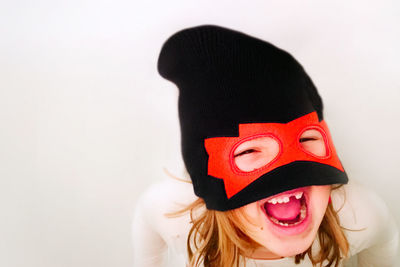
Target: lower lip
(294,229)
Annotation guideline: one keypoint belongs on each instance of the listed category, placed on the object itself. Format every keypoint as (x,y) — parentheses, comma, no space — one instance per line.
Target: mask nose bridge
(288,135)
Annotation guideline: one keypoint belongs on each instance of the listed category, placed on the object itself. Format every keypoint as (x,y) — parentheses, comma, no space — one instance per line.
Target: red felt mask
(221,162)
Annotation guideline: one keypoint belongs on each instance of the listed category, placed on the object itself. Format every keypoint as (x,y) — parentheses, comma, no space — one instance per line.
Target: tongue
(284,211)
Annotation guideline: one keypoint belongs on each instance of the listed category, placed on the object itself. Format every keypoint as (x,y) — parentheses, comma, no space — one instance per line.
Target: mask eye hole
(255,153)
(312,141)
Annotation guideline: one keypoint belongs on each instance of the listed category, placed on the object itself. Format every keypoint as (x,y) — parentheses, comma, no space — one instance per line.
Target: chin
(291,246)
(289,220)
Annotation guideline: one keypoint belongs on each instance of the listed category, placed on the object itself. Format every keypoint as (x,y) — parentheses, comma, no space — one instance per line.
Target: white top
(155,236)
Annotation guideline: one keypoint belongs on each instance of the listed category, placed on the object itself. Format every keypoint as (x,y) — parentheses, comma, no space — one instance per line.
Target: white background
(86,122)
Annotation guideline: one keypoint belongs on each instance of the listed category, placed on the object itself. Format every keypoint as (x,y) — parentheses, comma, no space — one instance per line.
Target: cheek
(253,220)
(319,200)
(252,213)
(256,228)
(319,203)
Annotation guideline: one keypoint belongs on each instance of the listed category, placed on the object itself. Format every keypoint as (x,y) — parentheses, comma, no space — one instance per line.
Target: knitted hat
(233,87)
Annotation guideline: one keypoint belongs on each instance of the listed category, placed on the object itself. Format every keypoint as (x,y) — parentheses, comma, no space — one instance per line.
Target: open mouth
(288,210)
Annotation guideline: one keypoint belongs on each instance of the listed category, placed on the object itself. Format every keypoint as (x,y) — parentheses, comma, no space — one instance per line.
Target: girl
(267,187)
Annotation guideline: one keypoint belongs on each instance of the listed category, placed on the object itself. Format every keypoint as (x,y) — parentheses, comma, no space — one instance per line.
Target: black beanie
(227,78)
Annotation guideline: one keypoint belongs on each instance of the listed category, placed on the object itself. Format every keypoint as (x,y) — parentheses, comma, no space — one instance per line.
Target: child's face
(284,224)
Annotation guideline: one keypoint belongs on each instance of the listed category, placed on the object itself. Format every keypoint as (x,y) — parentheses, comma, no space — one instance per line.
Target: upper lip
(288,193)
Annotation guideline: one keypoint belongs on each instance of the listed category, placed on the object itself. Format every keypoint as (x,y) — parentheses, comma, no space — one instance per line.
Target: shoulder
(169,195)
(364,216)
(356,203)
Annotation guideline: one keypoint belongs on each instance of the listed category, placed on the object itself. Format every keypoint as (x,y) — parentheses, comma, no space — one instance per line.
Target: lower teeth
(303,212)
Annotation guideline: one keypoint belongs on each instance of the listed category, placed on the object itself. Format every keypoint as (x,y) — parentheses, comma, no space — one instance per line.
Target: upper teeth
(285,198)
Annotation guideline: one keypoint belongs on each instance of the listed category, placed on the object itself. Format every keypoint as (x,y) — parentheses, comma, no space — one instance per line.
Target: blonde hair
(218,238)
